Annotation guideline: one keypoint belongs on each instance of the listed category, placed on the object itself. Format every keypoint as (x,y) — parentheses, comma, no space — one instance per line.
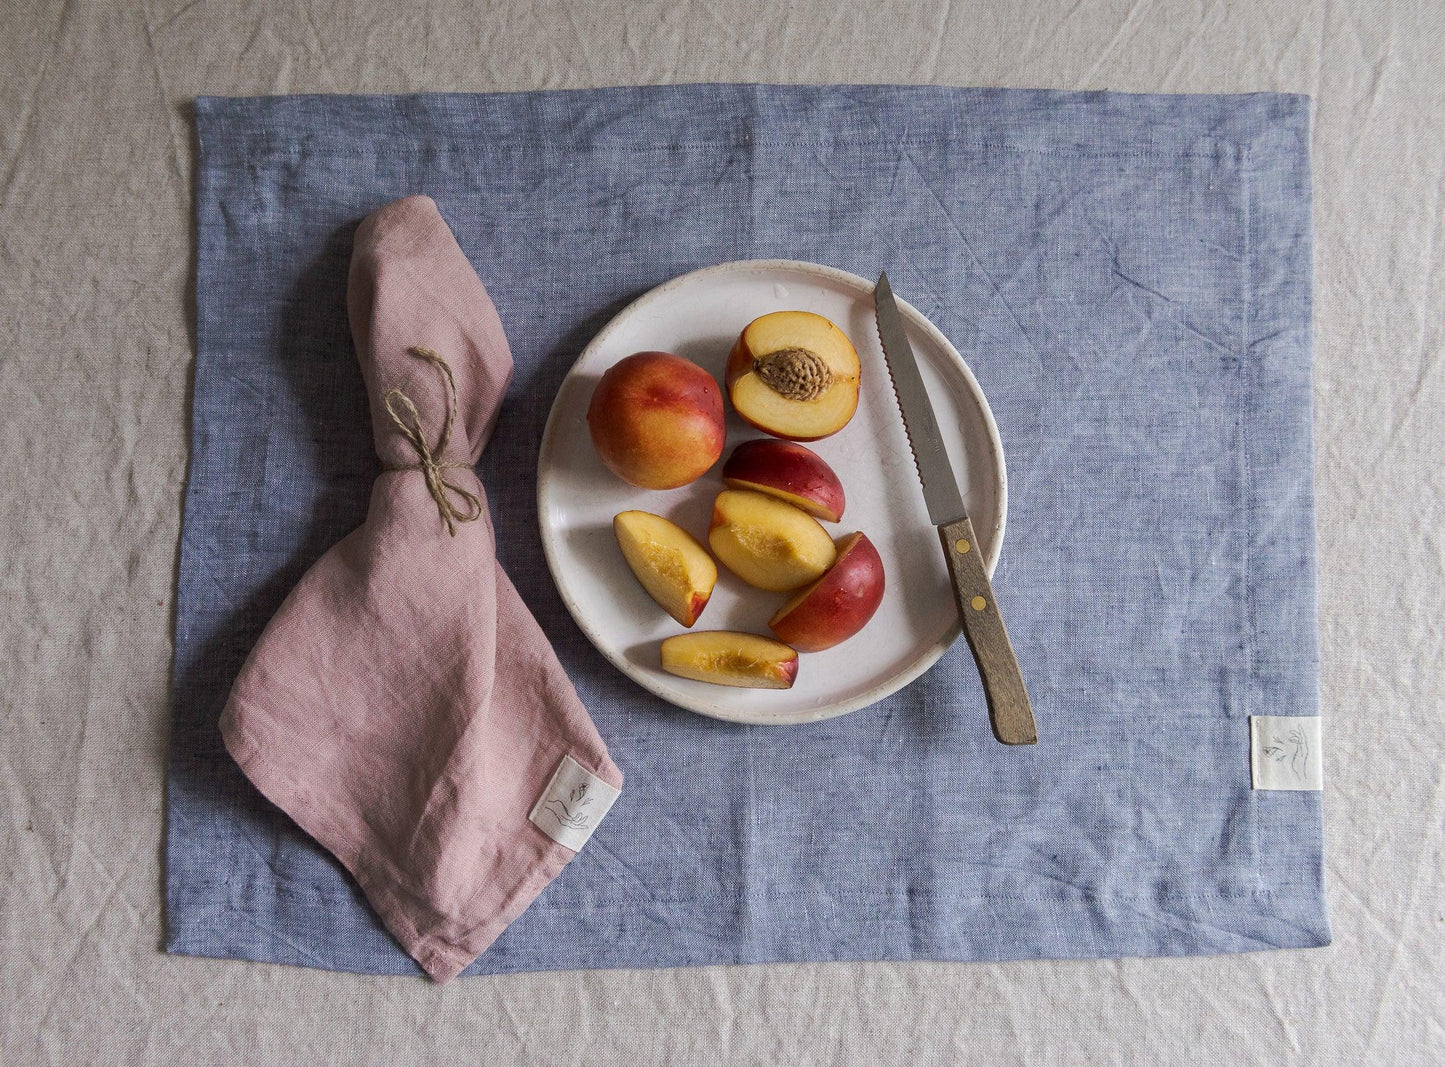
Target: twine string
(407,418)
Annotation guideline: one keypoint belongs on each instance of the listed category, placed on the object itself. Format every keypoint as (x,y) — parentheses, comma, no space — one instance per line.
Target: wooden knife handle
(1008,700)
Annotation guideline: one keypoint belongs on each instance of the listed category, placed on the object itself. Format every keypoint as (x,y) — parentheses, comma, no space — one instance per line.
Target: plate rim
(894,682)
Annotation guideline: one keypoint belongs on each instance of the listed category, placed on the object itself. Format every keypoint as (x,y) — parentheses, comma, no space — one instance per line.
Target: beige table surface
(95,365)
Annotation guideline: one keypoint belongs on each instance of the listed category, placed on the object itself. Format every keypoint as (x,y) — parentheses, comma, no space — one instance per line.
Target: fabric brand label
(572,805)
(1285,752)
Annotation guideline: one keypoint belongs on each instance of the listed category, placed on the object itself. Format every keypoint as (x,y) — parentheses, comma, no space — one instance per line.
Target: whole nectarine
(657,420)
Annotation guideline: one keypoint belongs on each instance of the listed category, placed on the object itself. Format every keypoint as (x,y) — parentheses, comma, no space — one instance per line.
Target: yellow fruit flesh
(803,329)
(800,420)
(675,570)
(724,657)
(767,543)
(762,542)
(812,507)
(795,419)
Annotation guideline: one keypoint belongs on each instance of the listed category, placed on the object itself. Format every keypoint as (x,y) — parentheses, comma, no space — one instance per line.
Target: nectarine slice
(837,605)
(657,420)
(794,374)
(767,543)
(675,570)
(726,657)
(788,471)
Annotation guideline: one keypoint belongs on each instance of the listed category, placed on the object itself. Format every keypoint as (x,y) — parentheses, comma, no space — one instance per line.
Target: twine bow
(408,421)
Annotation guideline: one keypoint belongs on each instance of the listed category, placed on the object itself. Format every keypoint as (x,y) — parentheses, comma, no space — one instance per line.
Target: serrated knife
(1009,710)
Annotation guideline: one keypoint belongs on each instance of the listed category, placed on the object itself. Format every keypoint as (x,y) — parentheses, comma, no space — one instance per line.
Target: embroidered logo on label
(572,805)
(1285,752)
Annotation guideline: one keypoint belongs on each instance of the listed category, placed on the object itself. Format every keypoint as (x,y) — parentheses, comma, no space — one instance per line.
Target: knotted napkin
(403,706)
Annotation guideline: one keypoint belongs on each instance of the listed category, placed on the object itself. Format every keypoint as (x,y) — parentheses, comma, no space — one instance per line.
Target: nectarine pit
(794,373)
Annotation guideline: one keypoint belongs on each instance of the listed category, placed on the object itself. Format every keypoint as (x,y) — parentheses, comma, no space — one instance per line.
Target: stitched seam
(1063,897)
(1248,487)
(285,148)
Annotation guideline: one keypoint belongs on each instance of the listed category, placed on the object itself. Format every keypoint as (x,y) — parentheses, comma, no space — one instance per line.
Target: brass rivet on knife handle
(1009,710)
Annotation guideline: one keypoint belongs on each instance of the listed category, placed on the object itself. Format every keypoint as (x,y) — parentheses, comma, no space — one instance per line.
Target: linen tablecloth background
(96,268)
(1129,277)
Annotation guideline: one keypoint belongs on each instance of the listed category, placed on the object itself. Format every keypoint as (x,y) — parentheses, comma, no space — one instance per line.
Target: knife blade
(1010,712)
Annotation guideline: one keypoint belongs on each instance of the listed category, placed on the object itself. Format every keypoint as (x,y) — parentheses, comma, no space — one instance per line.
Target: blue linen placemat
(1129,278)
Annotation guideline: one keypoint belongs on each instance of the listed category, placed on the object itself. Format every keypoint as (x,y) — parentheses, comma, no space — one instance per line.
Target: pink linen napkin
(403,706)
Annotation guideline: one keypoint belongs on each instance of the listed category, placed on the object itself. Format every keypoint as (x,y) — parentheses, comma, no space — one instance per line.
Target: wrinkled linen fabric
(403,706)
(1129,279)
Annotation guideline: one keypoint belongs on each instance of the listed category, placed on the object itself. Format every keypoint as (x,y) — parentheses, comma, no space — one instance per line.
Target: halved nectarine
(766,543)
(726,657)
(657,420)
(794,374)
(788,471)
(837,605)
(675,570)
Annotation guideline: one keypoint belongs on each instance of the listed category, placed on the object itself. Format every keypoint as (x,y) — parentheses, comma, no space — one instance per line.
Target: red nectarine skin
(837,605)
(788,471)
(657,420)
(671,381)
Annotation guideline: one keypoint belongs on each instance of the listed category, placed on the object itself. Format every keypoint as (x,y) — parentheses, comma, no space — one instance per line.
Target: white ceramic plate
(698,316)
